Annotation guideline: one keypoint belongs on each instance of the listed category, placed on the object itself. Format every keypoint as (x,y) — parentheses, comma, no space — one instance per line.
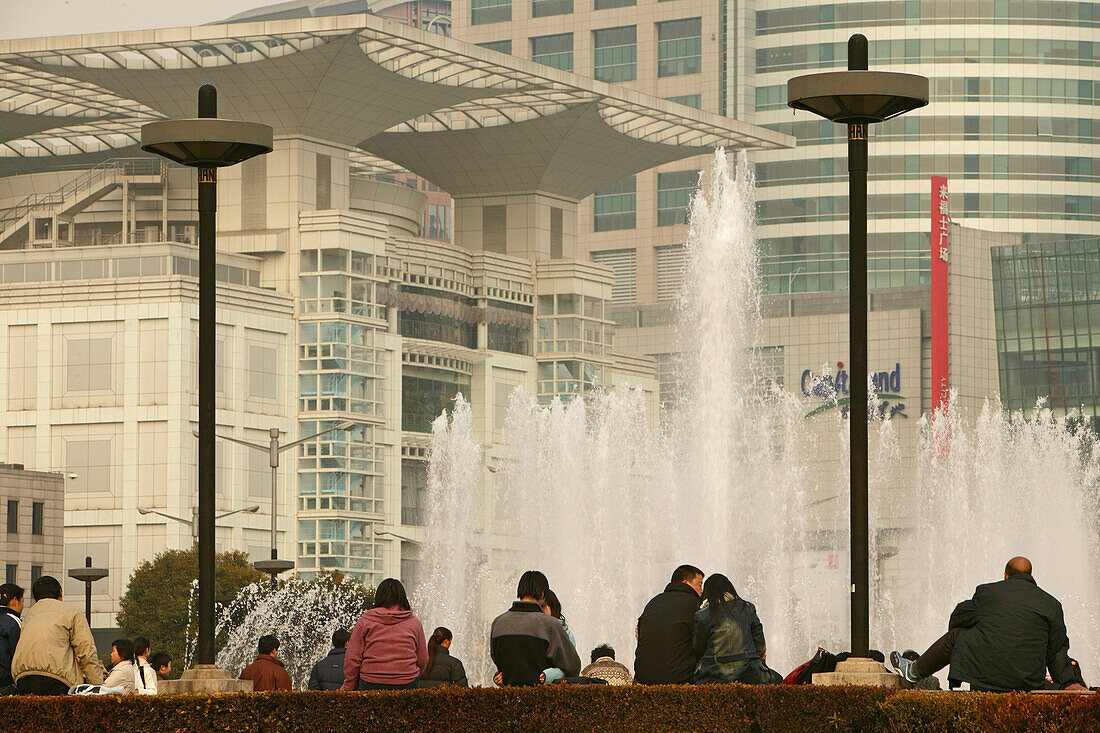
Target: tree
(158,597)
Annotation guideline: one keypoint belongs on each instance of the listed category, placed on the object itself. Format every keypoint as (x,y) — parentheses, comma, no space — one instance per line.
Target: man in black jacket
(328,674)
(524,640)
(666,628)
(1003,639)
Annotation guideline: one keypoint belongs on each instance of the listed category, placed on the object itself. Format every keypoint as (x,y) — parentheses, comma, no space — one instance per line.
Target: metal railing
(113,168)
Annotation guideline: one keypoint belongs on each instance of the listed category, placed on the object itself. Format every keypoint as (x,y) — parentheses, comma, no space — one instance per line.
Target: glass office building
(1010,123)
(1047,305)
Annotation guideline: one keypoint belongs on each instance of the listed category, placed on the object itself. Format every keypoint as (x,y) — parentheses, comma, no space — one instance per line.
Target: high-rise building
(333,305)
(1010,123)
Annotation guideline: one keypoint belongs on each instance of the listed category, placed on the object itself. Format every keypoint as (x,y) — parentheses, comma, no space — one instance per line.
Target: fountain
(607,503)
(302,614)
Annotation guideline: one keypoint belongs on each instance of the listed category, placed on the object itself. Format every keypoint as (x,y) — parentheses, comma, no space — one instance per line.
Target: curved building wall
(1014,88)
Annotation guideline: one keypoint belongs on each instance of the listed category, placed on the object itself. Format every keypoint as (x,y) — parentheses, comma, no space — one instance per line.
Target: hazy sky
(28,18)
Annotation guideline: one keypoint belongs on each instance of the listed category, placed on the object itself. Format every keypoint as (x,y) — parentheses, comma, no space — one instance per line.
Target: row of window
(978,89)
(615,52)
(932,50)
(1079,130)
(913,12)
(107,269)
(903,167)
(615,207)
(499,11)
(11,573)
(38,517)
(883,206)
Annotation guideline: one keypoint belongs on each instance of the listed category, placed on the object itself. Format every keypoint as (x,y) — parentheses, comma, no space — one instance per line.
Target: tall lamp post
(206,143)
(88,575)
(274,449)
(857,98)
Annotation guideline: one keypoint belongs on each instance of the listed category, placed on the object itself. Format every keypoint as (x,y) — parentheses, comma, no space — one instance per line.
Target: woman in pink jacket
(387,649)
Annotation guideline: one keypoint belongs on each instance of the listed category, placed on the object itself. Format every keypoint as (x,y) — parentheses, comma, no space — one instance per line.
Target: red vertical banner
(941,250)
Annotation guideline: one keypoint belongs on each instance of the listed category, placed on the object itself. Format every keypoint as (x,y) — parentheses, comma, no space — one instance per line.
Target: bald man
(1003,639)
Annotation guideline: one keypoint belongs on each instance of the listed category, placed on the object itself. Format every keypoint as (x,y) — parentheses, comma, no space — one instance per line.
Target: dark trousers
(36,684)
(938,656)
(364,685)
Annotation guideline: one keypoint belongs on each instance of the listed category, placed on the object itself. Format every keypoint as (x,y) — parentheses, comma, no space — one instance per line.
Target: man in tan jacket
(56,650)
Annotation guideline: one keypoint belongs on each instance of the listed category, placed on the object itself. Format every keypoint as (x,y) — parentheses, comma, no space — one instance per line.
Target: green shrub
(558,708)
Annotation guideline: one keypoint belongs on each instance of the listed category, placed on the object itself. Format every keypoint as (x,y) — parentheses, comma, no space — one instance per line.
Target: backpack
(822,661)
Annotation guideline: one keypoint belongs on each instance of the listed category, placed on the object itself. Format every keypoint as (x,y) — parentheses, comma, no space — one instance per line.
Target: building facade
(34,527)
(333,305)
(1047,344)
(1010,124)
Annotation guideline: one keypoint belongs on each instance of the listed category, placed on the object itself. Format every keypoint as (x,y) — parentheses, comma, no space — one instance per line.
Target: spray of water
(607,504)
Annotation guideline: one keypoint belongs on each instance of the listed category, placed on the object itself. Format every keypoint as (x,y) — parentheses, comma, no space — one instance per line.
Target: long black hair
(390,593)
(554,605)
(719,592)
(437,638)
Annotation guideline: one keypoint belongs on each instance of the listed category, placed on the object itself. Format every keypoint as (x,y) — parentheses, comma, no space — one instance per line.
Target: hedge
(558,708)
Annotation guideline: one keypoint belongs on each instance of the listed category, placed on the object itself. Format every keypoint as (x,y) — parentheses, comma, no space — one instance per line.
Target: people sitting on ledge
(1003,639)
(666,631)
(729,638)
(524,640)
(604,667)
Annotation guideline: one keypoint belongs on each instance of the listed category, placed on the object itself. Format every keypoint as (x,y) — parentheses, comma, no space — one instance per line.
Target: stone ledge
(861,672)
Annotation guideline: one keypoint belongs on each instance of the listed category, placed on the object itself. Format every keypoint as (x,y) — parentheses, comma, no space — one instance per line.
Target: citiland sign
(834,391)
(941,256)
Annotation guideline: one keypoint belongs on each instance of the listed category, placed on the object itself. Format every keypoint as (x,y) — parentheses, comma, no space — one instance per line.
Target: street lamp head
(144,510)
(88,574)
(857,95)
(346,425)
(251,509)
(206,141)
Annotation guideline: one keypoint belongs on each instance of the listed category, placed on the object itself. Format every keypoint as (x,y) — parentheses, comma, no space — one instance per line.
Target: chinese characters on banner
(941,255)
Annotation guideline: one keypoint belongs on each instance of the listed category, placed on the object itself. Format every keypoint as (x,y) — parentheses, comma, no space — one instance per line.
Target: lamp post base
(203,679)
(859,671)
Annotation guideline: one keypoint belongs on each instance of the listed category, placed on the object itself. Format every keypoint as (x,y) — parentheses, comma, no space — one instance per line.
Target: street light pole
(88,575)
(857,98)
(208,204)
(206,143)
(274,449)
(857,346)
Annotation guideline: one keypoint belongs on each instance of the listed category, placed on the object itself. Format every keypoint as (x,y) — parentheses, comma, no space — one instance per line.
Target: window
(490,11)
(494,228)
(38,517)
(437,222)
(680,47)
(87,364)
(543,8)
(263,372)
(694,101)
(556,239)
(36,573)
(670,271)
(605,4)
(500,46)
(556,51)
(615,57)
(674,190)
(614,207)
(90,460)
(10,573)
(13,516)
(624,265)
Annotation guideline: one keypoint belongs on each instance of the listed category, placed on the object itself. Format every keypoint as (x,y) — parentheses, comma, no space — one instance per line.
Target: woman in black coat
(442,669)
